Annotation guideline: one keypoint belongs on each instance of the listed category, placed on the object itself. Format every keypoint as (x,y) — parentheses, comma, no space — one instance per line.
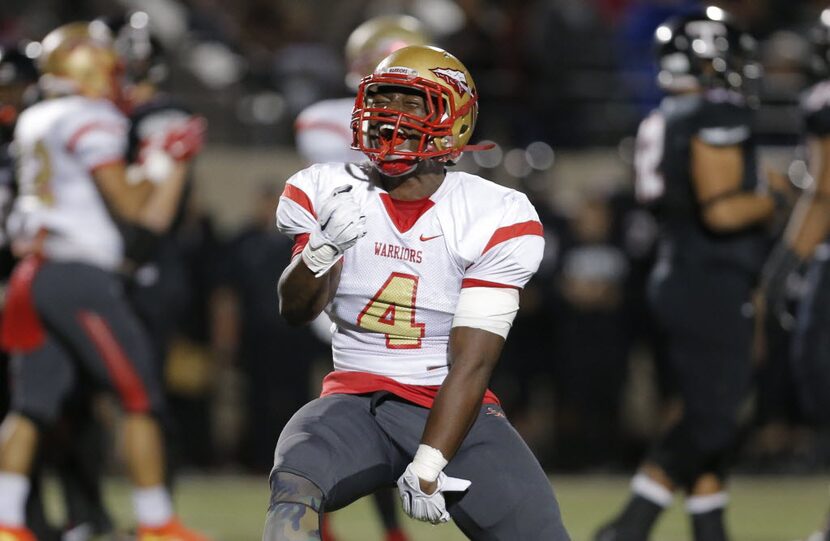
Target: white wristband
(428,463)
(321,259)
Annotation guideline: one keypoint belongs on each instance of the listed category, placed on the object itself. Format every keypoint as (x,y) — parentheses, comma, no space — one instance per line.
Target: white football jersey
(60,142)
(400,284)
(323,132)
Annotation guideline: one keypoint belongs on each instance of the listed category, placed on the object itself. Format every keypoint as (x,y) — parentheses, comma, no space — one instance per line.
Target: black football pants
(706,319)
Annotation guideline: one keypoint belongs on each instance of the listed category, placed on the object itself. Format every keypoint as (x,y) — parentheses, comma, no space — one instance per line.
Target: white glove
(340,224)
(428,507)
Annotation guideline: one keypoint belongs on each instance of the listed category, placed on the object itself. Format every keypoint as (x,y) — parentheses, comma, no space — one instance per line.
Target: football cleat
(7,533)
(325,529)
(172,531)
(396,535)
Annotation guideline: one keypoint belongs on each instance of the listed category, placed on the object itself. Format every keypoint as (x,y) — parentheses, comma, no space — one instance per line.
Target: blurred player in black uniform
(18,76)
(696,166)
(159,289)
(806,238)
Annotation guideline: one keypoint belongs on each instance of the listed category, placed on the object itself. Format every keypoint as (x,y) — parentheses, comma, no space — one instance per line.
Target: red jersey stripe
(343,382)
(91,127)
(474,282)
(299,243)
(502,234)
(295,194)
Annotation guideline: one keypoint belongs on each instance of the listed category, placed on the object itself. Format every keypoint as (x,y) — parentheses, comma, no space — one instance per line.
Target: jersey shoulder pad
(722,119)
(306,189)
(333,111)
(512,246)
(87,115)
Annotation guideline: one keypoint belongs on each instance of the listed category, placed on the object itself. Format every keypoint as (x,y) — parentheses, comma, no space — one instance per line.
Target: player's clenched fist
(340,224)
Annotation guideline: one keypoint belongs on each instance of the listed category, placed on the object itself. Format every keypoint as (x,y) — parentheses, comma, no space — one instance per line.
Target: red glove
(185,141)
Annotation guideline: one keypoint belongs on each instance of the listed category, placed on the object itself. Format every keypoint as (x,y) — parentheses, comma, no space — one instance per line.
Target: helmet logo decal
(457,79)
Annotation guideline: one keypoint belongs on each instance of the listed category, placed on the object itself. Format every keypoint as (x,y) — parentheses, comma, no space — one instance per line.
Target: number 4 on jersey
(392,312)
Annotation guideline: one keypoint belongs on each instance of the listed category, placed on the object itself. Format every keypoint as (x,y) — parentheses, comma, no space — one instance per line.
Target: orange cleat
(172,531)
(325,529)
(7,533)
(396,535)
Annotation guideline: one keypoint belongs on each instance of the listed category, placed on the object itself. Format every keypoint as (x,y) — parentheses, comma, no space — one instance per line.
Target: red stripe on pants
(127,383)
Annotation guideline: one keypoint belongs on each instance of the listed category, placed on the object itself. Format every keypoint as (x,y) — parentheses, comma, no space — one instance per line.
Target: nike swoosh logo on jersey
(424,239)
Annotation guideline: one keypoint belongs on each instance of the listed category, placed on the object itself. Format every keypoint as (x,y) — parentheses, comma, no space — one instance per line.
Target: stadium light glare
(489,158)
(715,13)
(139,19)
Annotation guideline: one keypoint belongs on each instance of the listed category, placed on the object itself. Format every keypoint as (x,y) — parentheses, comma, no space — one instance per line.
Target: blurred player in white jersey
(323,130)
(420,270)
(75,221)
(323,134)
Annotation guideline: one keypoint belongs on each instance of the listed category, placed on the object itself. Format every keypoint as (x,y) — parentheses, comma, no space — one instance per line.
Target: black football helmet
(705,49)
(141,53)
(818,65)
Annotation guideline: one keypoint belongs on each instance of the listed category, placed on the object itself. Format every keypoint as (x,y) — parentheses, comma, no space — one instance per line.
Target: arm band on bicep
(488,308)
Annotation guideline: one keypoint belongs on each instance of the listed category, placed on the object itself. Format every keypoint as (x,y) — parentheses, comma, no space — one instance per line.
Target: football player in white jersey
(323,130)
(420,270)
(323,134)
(74,220)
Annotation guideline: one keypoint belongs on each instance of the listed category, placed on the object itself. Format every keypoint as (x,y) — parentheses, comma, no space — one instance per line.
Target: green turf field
(231,508)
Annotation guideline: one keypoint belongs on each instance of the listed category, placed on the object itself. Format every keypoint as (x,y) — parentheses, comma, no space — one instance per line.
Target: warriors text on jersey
(399,285)
(61,142)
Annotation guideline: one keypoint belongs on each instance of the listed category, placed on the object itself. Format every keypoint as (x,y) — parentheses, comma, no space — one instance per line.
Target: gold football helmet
(451,108)
(79,58)
(376,38)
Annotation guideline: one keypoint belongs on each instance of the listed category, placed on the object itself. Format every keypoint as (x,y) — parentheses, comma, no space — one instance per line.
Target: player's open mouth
(387,132)
(391,139)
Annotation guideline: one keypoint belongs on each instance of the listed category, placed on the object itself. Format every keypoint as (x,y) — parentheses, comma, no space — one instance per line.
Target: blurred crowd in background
(563,85)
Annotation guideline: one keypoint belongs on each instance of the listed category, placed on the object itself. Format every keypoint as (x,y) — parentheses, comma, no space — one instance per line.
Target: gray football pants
(351,445)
